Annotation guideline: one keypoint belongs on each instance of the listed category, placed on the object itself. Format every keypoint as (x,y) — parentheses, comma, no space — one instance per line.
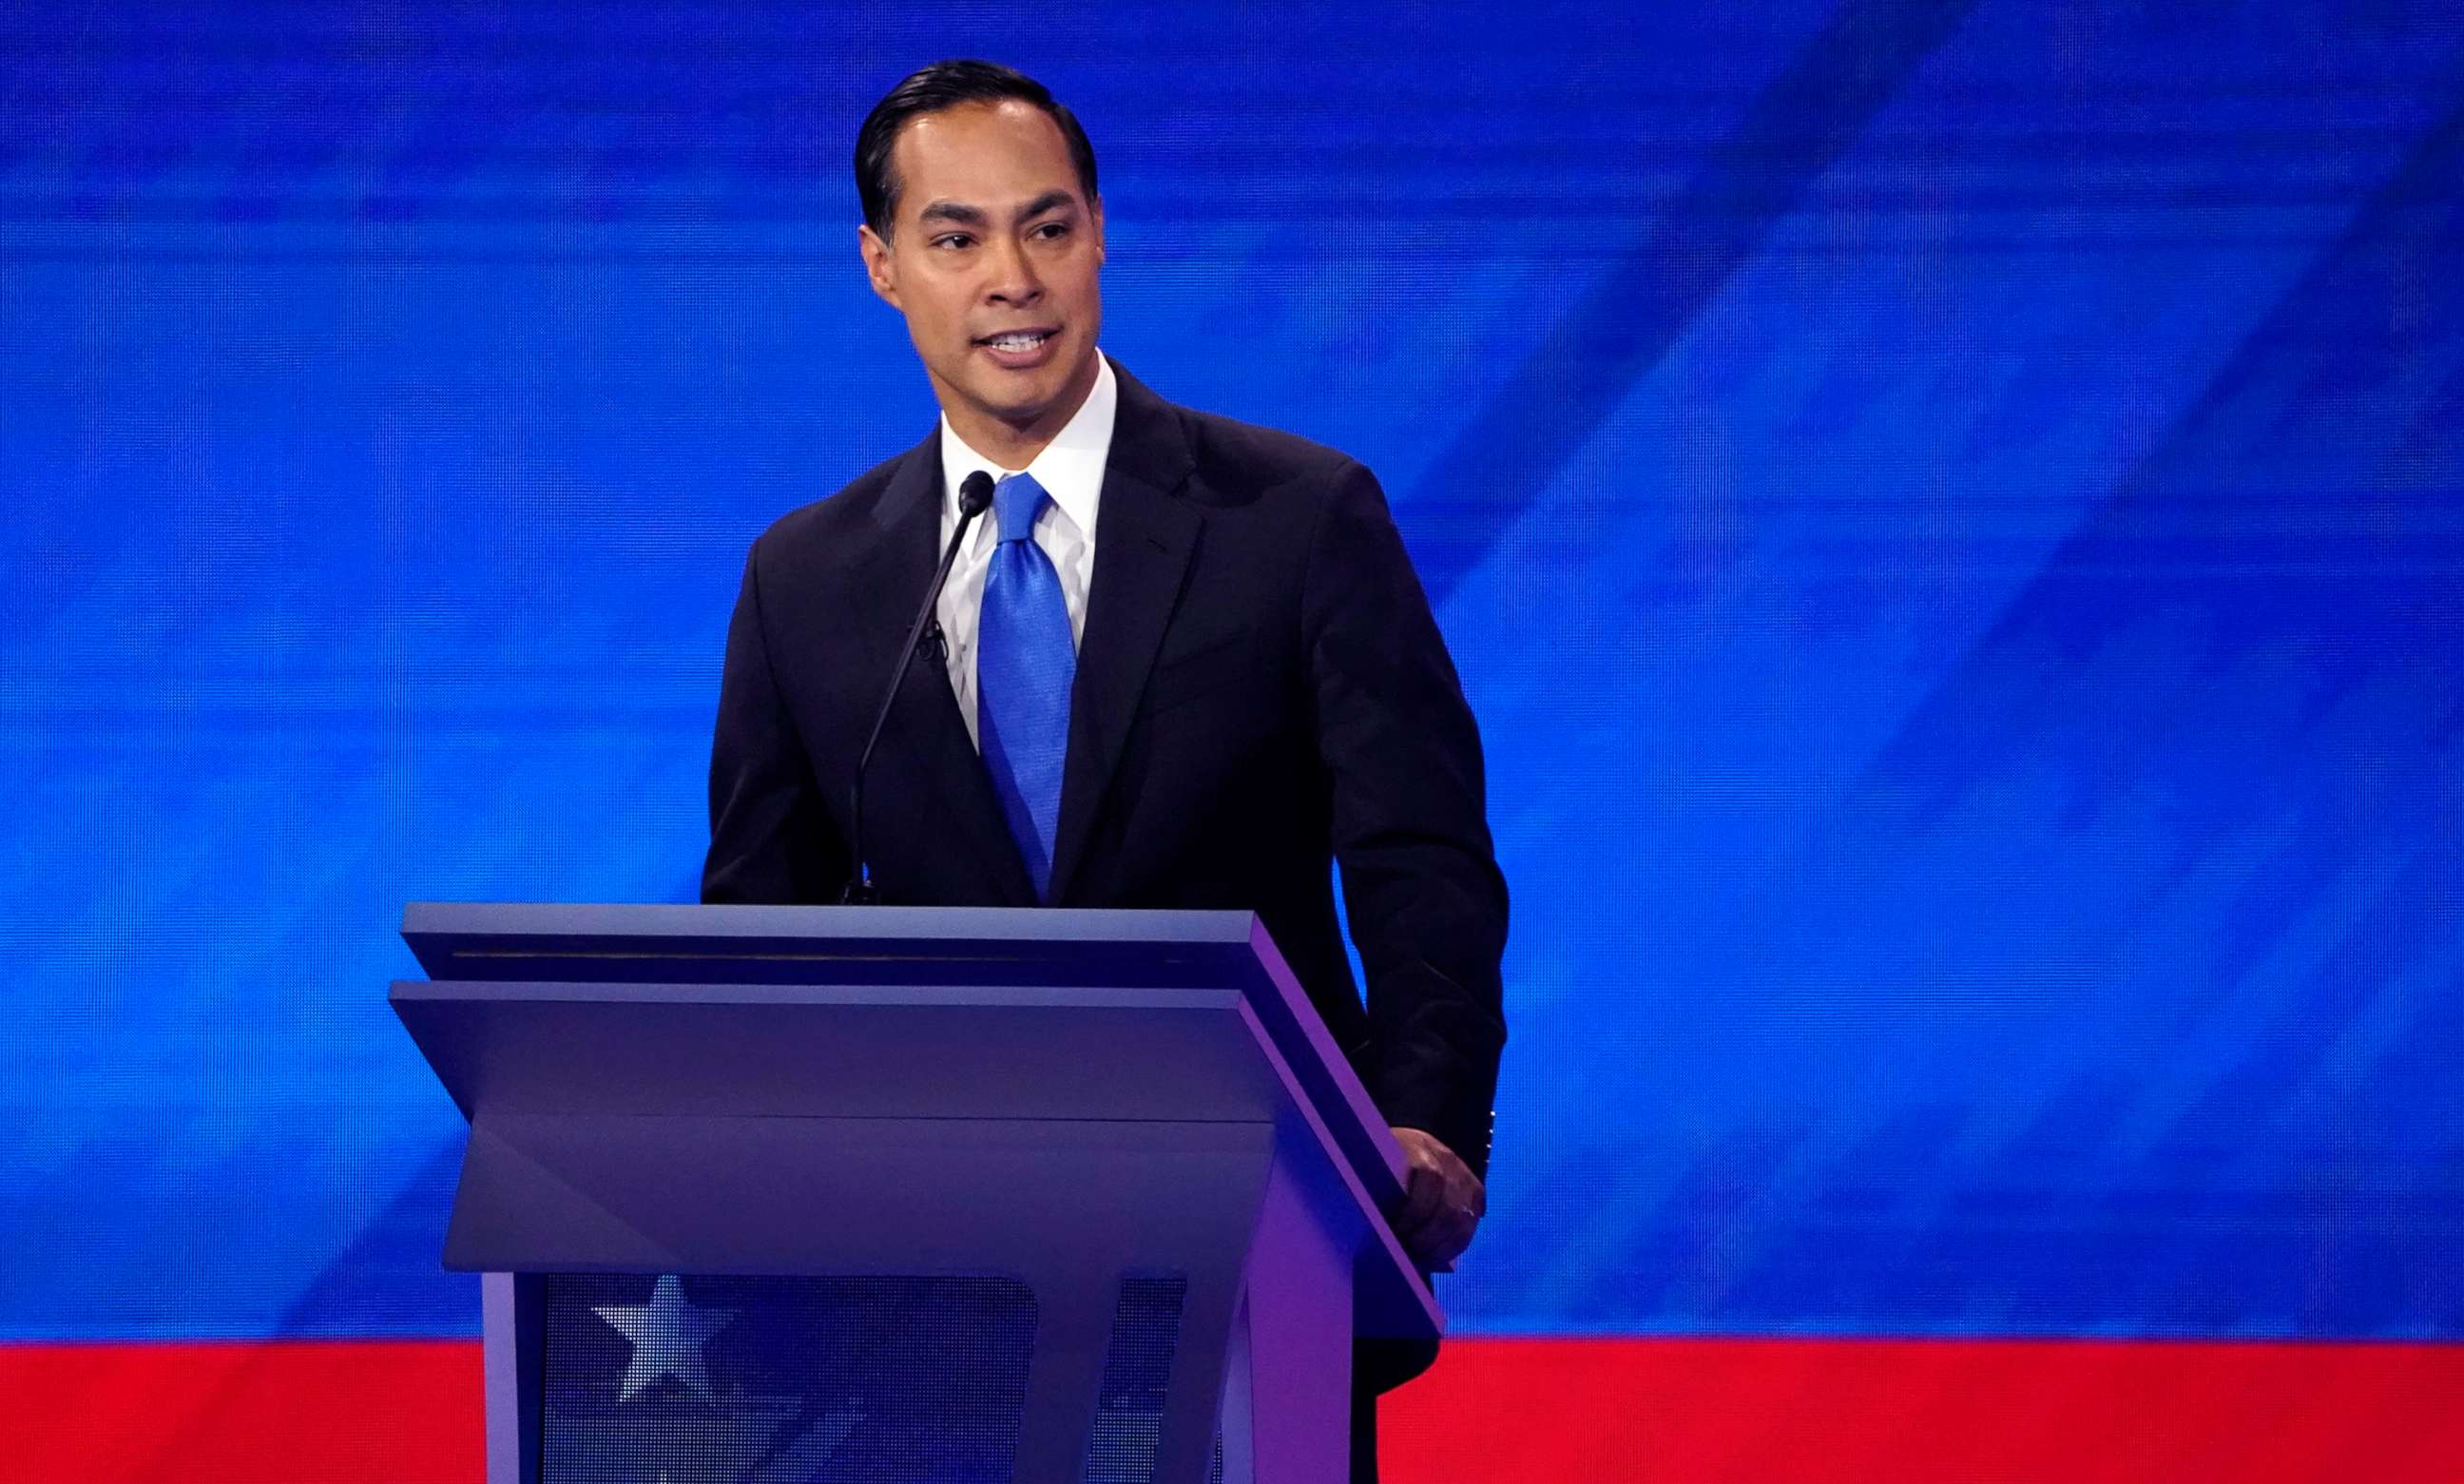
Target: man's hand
(1443,1201)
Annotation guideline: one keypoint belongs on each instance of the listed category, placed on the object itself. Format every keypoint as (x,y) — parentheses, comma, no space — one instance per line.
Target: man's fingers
(1443,1201)
(1443,1238)
(1443,1232)
(1424,1196)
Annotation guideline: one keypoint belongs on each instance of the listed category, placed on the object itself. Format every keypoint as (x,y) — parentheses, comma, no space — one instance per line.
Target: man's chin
(1019,416)
(1020,398)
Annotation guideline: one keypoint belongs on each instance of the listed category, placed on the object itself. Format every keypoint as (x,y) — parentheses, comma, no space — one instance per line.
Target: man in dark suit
(1183,662)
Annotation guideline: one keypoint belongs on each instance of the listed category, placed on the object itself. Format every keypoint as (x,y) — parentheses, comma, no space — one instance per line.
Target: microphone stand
(975,494)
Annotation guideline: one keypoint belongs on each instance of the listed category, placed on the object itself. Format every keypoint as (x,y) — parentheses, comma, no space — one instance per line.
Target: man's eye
(951,239)
(1051,229)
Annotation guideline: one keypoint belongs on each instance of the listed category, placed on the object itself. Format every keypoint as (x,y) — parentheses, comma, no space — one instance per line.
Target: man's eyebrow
(1043,203)
(974,215)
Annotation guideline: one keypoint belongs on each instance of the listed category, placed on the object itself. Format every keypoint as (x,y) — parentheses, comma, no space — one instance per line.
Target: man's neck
(1014,445)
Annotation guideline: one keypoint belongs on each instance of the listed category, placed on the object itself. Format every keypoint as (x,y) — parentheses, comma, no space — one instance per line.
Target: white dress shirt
(1071,471)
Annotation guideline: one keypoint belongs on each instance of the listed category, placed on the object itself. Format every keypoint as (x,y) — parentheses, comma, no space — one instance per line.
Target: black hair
(932,89)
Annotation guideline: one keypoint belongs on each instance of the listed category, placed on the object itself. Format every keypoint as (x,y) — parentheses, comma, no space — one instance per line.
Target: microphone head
(975,494)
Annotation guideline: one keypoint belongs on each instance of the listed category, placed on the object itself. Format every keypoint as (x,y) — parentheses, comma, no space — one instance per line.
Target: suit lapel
(1145,537)
(893,569)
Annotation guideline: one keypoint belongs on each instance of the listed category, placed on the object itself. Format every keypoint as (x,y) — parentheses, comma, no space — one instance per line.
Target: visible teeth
(1017,342)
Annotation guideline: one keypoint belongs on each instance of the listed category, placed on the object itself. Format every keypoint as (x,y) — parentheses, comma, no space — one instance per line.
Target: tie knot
(1017,500)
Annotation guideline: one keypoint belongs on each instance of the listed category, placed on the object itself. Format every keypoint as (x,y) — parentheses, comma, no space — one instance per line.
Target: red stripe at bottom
(1825,1411)
(328,1411)
(1832,1411)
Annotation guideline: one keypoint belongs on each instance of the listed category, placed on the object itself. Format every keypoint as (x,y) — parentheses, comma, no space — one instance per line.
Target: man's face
(992,258)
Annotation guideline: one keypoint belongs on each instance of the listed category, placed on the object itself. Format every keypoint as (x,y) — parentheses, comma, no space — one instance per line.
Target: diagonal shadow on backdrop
(399,1251)
(2253,513)
(2212,744)
(1509,450)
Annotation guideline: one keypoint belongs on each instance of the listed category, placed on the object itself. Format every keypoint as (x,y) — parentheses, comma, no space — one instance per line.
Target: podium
(791,1193)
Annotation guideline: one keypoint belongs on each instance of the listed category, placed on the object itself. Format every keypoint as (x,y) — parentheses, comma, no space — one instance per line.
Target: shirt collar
(1071,466)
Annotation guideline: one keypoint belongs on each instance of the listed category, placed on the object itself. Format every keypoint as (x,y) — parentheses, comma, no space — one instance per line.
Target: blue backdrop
(1950,513)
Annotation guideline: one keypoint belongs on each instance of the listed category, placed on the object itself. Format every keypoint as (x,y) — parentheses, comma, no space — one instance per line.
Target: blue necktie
(1024,662)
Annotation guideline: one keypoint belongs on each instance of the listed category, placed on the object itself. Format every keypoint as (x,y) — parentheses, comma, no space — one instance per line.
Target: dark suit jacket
(1261,690)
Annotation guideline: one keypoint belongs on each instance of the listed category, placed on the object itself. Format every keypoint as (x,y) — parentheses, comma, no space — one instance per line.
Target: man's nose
(1013,280)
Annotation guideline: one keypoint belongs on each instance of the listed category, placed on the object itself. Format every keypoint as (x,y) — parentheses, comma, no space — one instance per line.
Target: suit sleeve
(1421,885)
(770,838)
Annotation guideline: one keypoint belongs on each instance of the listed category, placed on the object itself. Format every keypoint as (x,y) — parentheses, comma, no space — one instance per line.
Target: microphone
(974,496)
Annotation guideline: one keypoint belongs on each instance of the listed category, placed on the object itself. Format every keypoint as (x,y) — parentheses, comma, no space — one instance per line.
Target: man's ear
(1096,213)
(879,266)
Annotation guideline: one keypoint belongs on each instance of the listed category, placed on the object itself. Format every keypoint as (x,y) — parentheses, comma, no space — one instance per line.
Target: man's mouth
(1017,342)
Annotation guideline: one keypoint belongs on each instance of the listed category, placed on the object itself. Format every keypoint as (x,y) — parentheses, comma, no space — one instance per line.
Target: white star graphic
(667,1335)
